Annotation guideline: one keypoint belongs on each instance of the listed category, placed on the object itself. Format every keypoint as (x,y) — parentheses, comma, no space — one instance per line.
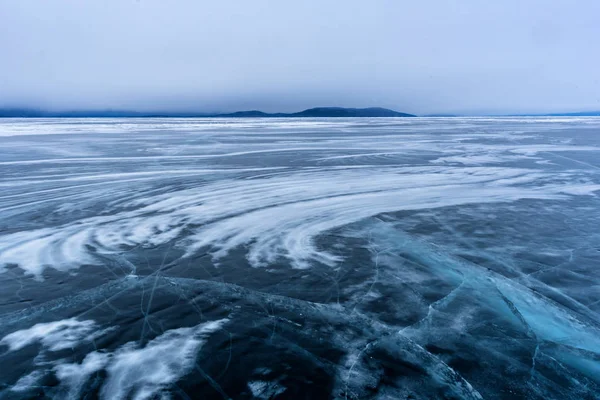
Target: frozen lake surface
(300,258)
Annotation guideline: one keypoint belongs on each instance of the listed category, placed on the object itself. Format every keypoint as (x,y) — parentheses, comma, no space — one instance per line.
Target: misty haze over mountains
(317,112)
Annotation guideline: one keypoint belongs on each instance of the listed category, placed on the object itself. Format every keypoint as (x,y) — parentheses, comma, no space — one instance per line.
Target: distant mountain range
(324,112)
(575,114)
(317,112)
(328,112)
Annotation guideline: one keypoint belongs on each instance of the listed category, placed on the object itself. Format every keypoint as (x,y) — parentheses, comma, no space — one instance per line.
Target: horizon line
(39,112)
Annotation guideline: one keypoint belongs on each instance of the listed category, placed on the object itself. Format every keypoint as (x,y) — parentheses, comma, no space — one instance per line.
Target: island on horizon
(317,112)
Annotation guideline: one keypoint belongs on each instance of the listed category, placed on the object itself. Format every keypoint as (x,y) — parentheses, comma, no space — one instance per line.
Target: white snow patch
(54,336)
(140,372)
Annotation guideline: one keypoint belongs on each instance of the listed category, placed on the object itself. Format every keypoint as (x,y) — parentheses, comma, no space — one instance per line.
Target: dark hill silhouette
(320,112)
(350,112)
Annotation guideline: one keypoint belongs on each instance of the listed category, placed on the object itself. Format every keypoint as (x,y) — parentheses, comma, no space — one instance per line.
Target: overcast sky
(415,56)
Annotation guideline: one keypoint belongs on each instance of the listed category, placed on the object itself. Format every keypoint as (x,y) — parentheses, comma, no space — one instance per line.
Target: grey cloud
(421,57)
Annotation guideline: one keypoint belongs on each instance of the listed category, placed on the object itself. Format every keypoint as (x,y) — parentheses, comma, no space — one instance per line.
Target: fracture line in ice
(544,319)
